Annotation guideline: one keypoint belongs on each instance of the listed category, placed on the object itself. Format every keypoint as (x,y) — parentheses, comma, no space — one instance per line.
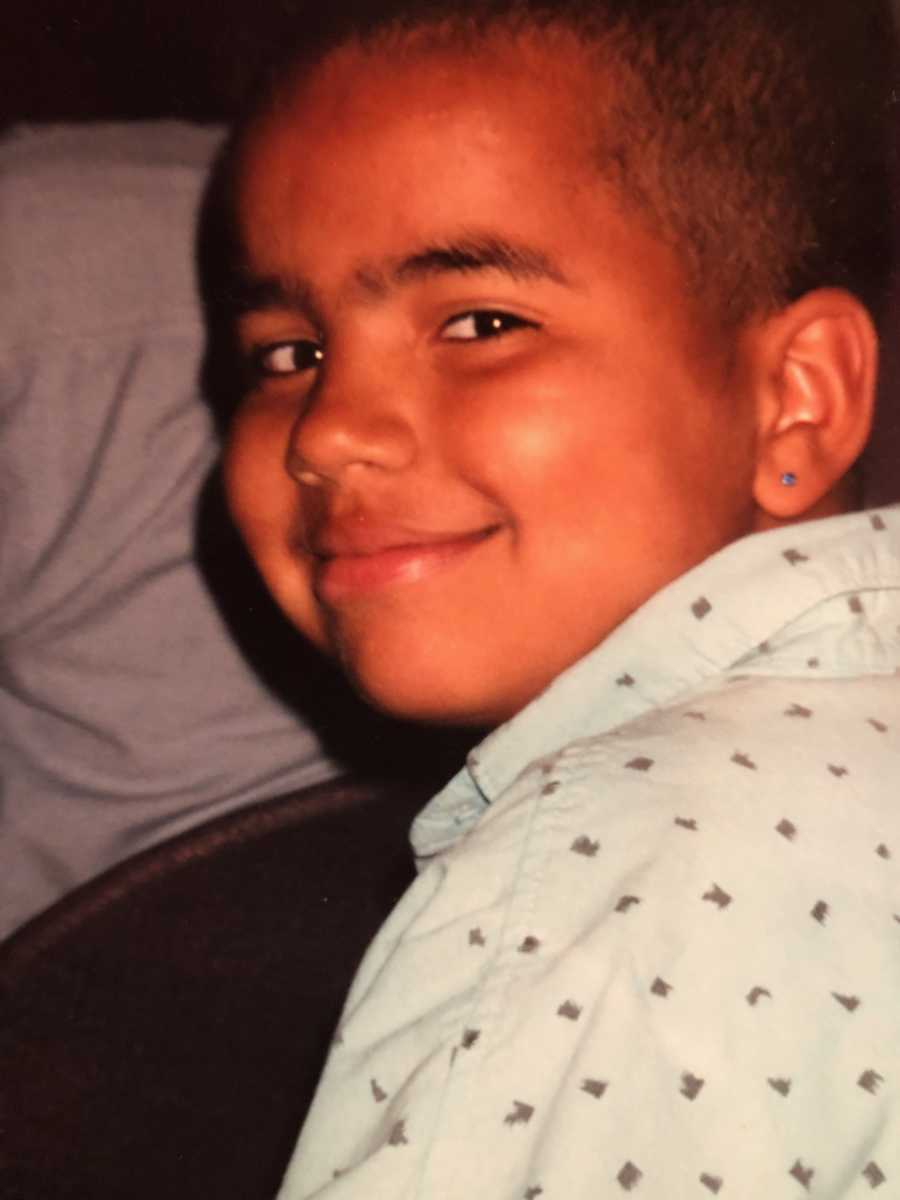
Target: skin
(460,506)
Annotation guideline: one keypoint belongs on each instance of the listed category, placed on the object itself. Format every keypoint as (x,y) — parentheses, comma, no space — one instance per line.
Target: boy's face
(488,421)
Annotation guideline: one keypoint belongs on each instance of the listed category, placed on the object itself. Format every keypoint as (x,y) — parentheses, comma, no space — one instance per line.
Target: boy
(549,310)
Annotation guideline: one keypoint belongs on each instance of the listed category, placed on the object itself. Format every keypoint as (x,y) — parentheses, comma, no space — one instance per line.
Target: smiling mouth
(345,575)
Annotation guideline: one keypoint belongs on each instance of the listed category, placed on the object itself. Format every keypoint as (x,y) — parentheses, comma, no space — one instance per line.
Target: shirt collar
(724,612)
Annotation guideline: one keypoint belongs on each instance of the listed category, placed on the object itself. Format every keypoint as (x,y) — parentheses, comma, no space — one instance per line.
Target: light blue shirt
(654,949)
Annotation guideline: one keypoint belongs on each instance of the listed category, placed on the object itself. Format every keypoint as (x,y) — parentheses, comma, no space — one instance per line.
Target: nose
(348,426)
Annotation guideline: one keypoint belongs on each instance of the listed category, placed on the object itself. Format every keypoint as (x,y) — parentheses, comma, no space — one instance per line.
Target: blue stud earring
(789,479)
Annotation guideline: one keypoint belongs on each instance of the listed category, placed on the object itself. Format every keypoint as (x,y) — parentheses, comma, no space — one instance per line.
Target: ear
(818,362)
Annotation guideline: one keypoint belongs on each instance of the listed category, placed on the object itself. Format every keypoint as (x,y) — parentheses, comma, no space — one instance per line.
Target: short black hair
(754,135)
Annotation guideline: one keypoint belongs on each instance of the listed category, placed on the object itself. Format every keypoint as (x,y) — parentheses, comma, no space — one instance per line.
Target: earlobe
(819,360)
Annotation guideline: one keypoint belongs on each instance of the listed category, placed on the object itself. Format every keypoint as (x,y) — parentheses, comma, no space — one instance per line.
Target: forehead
(429,78)
(395,123)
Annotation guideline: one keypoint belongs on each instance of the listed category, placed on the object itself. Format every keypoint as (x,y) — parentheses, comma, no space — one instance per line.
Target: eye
(287,358)
(479,324)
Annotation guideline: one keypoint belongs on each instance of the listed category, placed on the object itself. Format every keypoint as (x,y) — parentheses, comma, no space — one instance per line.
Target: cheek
(255,479)
(580,453)
(544,442)
(264,503)
(556,448)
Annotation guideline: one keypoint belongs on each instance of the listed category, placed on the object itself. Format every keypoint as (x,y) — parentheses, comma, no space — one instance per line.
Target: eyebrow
(247,293)
(468,255)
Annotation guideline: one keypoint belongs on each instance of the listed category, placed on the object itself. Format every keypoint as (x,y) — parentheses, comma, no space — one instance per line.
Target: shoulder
(758,804)
(709,909)
(752,738)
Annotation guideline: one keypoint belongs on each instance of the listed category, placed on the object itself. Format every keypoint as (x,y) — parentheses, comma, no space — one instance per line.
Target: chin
(417,705)
(423,696)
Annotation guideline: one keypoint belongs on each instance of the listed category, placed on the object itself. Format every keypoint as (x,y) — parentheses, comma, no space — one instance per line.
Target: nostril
(301,472)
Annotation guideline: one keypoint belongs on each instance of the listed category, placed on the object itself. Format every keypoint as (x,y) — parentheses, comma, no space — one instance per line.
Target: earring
(789,479)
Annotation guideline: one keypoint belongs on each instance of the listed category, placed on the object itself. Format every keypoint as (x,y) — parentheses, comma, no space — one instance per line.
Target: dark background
(107,59)
(113,59)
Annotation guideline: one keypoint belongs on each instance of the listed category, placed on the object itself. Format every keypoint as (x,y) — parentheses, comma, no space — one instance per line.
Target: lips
(361,557)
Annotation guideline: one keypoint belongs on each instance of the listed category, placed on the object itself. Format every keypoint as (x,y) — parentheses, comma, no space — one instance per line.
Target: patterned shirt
(654,947)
